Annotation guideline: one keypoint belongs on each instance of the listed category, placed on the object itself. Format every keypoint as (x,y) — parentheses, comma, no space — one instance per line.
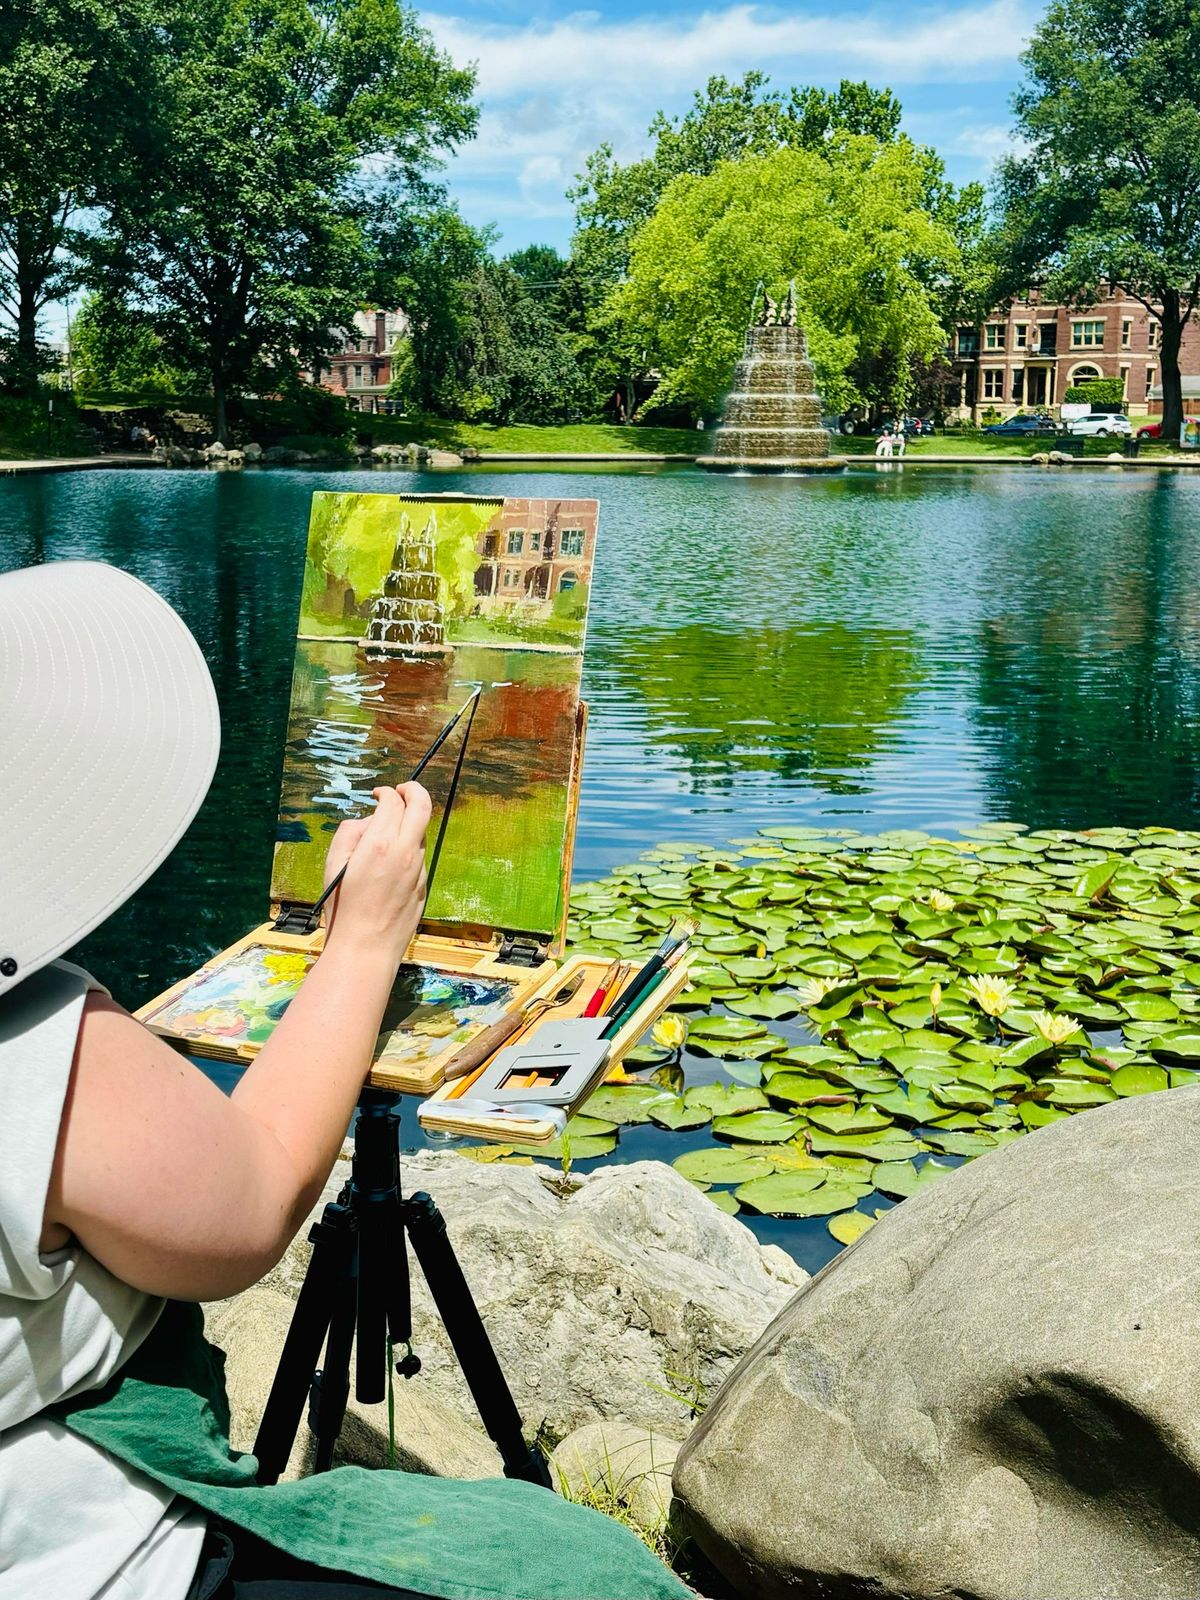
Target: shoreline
(13,468)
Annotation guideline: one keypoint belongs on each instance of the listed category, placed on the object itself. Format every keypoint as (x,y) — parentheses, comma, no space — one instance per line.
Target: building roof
(1190,386)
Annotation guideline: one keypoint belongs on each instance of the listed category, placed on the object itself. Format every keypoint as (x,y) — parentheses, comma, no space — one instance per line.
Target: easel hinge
(295,917)
(520,950)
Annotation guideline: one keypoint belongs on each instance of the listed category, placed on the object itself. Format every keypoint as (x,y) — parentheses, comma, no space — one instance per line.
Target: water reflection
(918,649)
(814,703)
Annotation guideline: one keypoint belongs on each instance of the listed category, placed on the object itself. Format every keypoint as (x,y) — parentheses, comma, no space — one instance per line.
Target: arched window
(1084,373)
(567,581)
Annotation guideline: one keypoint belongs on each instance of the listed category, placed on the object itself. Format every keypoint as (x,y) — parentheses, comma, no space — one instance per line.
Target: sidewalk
(76,463)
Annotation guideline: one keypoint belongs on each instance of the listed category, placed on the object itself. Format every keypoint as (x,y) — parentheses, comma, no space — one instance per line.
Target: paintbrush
(314,915)
(485,1044)
(647,978)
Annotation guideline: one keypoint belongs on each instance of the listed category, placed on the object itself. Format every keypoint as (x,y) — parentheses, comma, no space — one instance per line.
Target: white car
(1101,425)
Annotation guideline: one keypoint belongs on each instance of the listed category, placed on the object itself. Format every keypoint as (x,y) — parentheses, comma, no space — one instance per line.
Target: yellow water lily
(992,995)
(813,990)
(670,1032)
(940,901)
(1055,1028)
(935,998)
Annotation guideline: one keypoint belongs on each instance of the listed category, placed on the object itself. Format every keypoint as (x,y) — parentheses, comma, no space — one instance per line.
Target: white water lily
(992,995)
(940,901)
(670,1032)
(1055,1029)
(813,990)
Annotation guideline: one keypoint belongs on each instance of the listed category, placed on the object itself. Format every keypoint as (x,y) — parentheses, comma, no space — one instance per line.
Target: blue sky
(554,82)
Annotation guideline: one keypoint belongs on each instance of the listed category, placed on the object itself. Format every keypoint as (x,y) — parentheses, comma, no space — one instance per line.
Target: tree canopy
(846,223)
(242,221)
(1108,189)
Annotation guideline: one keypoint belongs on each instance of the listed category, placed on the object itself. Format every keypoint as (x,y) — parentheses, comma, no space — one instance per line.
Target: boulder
(1058,458)
(444,458)
(608,1464)
(609,1300)
(1040,459)
(215,451)
(992,1394)
(252,451)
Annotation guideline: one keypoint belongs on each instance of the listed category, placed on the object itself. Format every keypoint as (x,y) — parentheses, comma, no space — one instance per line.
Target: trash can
(1130,448)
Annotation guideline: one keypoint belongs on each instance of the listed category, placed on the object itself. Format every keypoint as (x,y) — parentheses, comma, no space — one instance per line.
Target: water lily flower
(935,998)
(670,1032)
(939,900)
(813,990)
(1055,1028)
(992,995)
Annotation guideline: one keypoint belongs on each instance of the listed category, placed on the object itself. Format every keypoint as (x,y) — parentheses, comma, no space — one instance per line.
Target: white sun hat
(109,735)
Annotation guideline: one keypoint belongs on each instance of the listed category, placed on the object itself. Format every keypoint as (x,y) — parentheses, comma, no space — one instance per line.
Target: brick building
(1026,357)
(536,553)
(362,369)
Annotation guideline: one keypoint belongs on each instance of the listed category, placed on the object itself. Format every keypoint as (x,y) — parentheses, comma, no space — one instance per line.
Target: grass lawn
(575,438)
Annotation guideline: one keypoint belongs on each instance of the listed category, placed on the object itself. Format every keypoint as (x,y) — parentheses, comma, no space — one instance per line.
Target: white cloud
(552,90)
(585,52)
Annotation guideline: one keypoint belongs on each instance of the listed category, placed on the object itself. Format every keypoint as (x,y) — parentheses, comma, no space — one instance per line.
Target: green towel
(166,1414)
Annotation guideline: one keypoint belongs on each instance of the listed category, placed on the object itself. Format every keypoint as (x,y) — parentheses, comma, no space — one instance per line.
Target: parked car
(1153,430)
(1022,426)
(1101,425)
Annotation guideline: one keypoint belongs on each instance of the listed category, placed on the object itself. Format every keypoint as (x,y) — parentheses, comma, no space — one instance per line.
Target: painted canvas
(409,604)
(239,1003)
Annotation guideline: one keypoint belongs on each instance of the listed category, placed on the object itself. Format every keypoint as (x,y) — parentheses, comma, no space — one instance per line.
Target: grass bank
(30,430)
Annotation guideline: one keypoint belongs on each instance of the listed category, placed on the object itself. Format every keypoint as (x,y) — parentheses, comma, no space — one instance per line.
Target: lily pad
(758,1127)
(678,1114)
(1139,1078)
(790,1194)
(726,1099)
(848,1226)
(721,1164)
(624,1103)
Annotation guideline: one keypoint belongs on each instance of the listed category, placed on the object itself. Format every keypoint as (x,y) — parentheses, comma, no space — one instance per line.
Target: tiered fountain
(772,420)
(408,614)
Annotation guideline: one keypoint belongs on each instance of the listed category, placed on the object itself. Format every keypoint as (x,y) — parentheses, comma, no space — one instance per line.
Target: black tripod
(358,1278)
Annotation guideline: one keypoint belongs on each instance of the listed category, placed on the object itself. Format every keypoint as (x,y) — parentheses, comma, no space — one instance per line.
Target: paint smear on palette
(238,1004)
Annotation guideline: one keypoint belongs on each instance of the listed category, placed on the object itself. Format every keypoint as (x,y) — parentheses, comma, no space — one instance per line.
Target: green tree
(67,75)
(244,226)
(114,348)
(1108,190)
(847,223)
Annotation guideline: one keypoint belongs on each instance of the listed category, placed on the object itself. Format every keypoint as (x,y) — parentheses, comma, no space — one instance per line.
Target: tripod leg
(328,1272)
(452,1296)
(331,1390)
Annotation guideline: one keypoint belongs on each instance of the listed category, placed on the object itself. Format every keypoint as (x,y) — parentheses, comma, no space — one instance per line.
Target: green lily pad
(724,1201)
(902,1179)
(789,1194)
(721,1164)
(581,1149)
(758,1127)
(848,1226)
(624,1103)
(724,1028)
(1139,1078)
(678,1114)
(766,1005)
(726,1099)
(794,1088)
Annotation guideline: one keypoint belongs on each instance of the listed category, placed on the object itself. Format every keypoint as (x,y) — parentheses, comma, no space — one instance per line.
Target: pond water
(919,648)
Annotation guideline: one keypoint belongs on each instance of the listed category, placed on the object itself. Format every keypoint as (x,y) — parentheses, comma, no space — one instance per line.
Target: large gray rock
(995,1393)
(607,1464)
(602,1303)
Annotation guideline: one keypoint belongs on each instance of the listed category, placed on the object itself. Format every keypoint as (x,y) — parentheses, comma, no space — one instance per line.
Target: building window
(1087,335)
(993,336)
(1124,381)
(571,543)
(567,581)
(1150,375)
(1126,332)
(1021,335)
(1018,385)
(968,341)
(993,383)
(511,578)
(516,541)
(1152,333)
(1084,374)
(358,372)
(535,539)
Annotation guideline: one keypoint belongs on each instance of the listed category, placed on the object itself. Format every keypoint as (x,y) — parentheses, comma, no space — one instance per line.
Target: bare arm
(180,1191)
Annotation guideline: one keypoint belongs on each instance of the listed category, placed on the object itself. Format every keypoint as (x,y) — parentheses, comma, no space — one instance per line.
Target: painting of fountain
(772,419)
(408,615)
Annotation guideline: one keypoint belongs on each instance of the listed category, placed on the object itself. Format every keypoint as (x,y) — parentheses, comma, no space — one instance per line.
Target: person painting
(131,1188)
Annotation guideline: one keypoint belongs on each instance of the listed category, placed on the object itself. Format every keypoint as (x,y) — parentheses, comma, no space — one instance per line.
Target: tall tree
(1108,191)
(847,223)
(244,227)
(67,75)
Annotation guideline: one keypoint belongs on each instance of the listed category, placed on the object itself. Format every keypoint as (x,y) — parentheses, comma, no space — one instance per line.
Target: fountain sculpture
(772,420)
(408,614)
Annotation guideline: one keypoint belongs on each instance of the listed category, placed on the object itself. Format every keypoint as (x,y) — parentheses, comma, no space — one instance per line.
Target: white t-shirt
(75,1523)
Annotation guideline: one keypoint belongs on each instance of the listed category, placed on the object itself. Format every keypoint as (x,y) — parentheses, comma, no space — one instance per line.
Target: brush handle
(485,1044)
